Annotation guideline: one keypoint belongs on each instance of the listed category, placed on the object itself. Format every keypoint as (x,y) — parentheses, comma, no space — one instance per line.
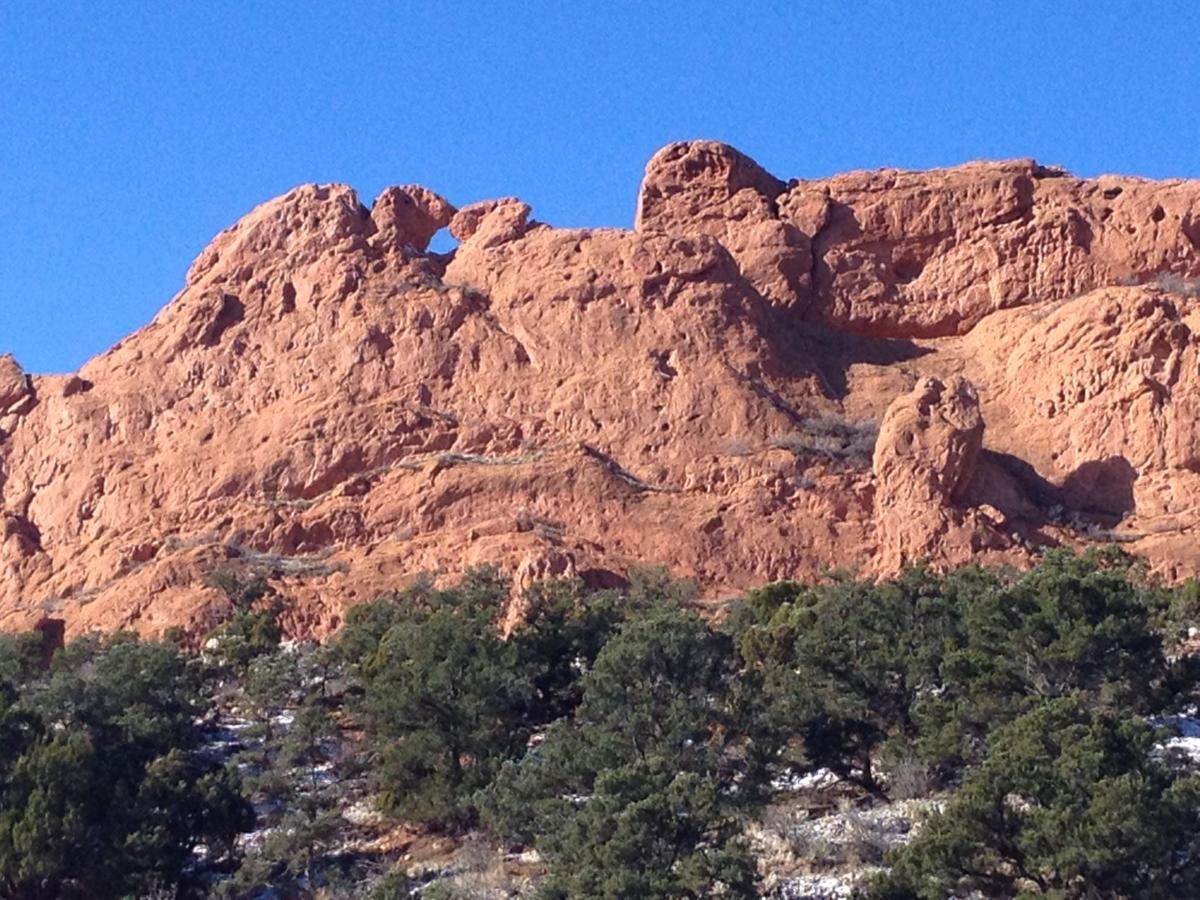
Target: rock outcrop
(925,456)
(924,254)
(14,383)
(701,187)
(331,404)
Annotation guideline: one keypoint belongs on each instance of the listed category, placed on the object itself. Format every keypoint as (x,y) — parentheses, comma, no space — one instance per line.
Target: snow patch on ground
(1187,741)
(810,851)
(809,781)
(815,887)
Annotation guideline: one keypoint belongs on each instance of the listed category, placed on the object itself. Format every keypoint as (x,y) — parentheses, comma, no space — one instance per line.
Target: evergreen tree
(643,793)
(445,699)
(297,761)
(1074,625)
(562,633)
(103,790)
(1068,803)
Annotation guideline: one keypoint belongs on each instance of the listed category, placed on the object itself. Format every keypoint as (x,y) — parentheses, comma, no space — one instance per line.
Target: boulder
(704,187)
(409,217)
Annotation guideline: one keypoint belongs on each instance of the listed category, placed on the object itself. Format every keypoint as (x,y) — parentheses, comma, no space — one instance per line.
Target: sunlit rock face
(330,403)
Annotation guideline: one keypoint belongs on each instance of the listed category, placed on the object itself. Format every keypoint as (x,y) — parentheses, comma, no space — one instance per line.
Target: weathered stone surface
(14,383)
(928,443)
(409,216)
(1100,396)
(925,254)
(925,456)
(898,254)
(703,187)
(490,223)
(328,403)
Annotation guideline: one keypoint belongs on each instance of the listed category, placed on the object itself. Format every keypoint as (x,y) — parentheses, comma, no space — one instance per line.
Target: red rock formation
(328,402)
(924,254)
(925,457)
(928,254)
(701,187)
(16,395)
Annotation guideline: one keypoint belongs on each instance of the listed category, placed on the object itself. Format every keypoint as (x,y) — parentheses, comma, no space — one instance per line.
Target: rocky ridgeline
(330,403)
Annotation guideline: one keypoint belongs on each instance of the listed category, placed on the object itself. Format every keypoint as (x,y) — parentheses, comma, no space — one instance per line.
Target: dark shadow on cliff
(1103,486)
(1091,500)
(1013,486)
(831,354)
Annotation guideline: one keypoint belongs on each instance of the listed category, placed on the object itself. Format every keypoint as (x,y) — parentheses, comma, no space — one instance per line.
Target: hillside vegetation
(982,732)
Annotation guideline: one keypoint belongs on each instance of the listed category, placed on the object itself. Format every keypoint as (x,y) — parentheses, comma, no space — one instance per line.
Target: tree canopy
(1068,802)
(103,790)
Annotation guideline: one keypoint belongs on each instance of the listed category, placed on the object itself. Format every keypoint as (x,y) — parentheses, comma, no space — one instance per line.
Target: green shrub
(635,796)
(253,630)
(103,790)
(564,629)
(1068,803)
(1073,625)
(445,700)
(846,662)
(932,664)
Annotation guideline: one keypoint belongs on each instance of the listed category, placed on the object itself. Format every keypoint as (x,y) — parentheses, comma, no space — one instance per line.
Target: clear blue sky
(130,133)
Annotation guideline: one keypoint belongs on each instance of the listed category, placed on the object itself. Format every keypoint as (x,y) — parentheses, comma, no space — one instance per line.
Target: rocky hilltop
(763,379)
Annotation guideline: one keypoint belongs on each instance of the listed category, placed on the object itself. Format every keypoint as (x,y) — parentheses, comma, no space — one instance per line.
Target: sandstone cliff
(329,403)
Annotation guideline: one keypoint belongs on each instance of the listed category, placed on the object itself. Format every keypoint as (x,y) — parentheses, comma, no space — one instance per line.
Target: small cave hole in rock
(229,312)
(907,270)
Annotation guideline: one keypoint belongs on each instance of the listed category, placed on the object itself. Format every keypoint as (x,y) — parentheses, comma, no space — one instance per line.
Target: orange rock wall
(328,402)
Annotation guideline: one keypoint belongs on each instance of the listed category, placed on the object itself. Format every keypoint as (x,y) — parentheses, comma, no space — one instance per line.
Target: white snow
(815,887)
(1188,726)
(809,781)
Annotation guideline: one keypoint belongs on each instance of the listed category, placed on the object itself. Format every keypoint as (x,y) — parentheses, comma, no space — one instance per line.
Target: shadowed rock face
(328,402)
